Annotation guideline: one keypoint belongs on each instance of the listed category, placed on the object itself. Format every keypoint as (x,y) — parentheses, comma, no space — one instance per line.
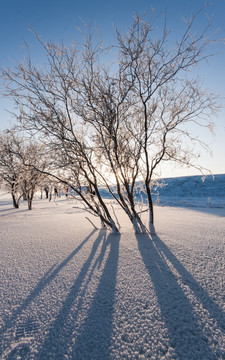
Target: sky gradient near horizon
(57,20)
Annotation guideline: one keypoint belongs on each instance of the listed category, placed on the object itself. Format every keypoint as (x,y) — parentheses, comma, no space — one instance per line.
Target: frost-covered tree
(142,111)
(165,103)
(10,167)
(113,123)
(19,161)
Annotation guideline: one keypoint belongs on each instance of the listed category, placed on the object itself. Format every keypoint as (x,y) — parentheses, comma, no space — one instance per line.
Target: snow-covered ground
(71,292)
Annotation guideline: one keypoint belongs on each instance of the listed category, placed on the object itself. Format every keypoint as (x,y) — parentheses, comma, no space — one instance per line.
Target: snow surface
(71,292)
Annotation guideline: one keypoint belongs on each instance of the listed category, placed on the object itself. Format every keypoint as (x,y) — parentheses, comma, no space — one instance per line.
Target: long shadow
(4,210)
(44,281)
(213,308)
(62,328)
(93,341)
(13,211)
(5,202)
(184,331)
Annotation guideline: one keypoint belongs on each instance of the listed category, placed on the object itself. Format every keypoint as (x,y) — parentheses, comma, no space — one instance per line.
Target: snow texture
(69,291)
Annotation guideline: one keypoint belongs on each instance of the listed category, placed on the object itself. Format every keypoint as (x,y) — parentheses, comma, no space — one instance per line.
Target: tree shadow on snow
(13,321)
(93,341)
(5,203)
(184,329)
(86,336)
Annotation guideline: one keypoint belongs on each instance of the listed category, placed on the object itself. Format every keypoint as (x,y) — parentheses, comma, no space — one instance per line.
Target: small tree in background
(19,160)
(10,167)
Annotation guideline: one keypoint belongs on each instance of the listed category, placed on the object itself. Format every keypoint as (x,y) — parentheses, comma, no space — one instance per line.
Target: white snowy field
(68,291)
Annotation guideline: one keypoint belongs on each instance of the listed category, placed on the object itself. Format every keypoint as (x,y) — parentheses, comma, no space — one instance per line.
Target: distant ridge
(185,191)
(194,186)
(193,191)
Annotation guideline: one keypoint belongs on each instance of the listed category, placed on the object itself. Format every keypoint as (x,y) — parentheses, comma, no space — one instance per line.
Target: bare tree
(166,100)
(114,124)
(32,158)
(10,170)
(143,112)
(18,160)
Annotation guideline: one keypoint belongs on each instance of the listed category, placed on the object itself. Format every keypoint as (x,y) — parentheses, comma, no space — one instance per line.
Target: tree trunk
(29,201)
(15,203)
(151,210)
(137,223)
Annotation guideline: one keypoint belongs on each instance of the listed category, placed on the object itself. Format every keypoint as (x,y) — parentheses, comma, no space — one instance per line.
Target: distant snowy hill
(194,186)
(187,191)
(193,191)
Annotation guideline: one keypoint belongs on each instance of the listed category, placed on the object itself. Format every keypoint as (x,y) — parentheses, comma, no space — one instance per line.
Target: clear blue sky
(57,19)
